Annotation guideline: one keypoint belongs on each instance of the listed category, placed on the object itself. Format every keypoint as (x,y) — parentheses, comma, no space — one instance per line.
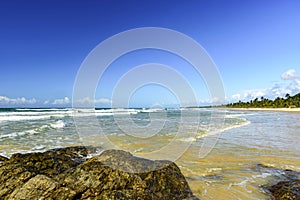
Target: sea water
(233,142)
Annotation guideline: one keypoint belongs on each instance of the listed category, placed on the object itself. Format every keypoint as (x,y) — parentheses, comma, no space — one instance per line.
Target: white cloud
(88,100)
(290,85)
(290,74)
(213,100)
(297,84)
(236,97)
(16,101)
(65,100)
(103,100)
(248,95)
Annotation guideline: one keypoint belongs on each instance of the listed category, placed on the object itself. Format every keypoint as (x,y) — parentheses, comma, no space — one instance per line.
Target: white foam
(242,184)
(189,139)
(119,111)
(58,124)
(39,147)
(218,131)
(42,109)
(263,175)
(29,117)
(144,110)
(28,113)
(104,112)
(34,114)
(213,169)
(16,134)
(238,115)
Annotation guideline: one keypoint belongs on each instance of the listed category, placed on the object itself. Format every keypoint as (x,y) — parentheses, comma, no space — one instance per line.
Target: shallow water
(230,171)
(244,139)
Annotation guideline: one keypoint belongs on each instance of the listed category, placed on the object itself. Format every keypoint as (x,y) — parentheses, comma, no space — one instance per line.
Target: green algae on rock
(286,190)
(67,173)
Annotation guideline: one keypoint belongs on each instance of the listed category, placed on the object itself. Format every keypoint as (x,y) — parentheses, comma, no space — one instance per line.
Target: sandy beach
(297,110)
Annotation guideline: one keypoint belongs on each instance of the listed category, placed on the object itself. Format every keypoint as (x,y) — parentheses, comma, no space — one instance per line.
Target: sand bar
(297,110)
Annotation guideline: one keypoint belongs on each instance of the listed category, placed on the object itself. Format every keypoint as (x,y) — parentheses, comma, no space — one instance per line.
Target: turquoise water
(24,130)
(236,141)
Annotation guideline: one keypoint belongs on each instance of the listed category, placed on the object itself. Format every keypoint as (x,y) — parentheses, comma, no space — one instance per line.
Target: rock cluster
(67,173)
(286,185)
(286,190)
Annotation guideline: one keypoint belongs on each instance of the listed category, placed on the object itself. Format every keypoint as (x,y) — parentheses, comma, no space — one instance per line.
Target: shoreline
(291,110)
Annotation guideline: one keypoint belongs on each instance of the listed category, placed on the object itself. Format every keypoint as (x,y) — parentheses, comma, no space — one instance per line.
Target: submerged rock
(68,174)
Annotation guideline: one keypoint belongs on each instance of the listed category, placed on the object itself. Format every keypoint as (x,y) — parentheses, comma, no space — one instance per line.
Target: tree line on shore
(287,102)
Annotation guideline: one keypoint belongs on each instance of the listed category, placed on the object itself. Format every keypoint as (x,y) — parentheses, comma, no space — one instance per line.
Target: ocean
(217,150)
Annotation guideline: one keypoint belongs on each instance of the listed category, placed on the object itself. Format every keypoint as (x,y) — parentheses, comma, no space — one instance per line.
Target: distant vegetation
(287,102)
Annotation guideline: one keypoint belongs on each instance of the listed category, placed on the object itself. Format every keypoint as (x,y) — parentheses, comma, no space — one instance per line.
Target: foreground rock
(68,174)
(286,190)
(2,159)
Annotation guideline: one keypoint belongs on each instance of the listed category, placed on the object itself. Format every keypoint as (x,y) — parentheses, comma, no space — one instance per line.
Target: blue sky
(254,44)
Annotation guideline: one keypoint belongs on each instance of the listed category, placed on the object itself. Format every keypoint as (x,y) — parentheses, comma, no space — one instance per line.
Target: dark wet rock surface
(286,190)
(286,185)
(68,174)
